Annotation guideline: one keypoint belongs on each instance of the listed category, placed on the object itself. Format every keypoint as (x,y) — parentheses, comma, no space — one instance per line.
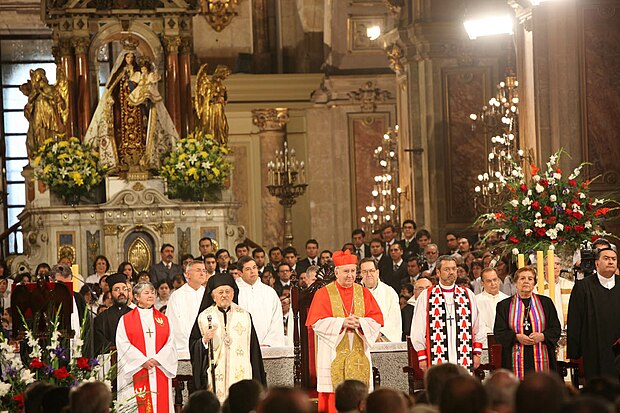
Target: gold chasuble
(350,361)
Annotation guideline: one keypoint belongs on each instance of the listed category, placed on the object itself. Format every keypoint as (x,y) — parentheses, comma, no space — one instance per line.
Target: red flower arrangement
(548,210)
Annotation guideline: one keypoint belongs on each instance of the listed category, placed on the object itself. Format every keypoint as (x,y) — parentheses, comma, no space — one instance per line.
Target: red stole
(135,334)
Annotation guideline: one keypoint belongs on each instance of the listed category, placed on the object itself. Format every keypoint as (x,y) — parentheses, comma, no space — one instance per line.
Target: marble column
(272,131)
(83,84)
(172,80)
(67,62)
(185,86)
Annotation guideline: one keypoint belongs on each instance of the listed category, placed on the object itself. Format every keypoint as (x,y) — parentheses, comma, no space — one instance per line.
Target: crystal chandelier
(499,122)
(385,205)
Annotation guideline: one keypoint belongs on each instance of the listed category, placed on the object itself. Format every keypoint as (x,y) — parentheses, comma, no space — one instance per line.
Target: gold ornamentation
(393,6)
(172,44)
(270,119)
(66,251)
(164,228)
(218,13)
(138,187)
(210,101)
(112,229)
(395,55)
(159,320)
(47,108)
(139,254)
(350,363)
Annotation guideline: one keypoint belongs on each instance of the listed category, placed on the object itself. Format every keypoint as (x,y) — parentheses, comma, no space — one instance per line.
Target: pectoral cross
(526,324)
(149,332)
(450,318)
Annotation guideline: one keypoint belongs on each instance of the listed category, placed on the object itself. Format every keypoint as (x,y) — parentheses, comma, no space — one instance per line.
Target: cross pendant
(526,324)
(450,319)
(149,332)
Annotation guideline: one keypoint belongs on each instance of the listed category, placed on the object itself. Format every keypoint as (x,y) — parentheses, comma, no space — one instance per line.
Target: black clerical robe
(593,326)
(105,328)
(200,357)
(506,336)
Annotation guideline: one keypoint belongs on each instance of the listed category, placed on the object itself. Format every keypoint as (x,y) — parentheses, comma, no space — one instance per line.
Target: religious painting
(65,245)
(213,233)
(365,134)
(464,153)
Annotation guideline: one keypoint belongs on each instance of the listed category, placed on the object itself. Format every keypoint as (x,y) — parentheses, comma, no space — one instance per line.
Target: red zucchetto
(344,258)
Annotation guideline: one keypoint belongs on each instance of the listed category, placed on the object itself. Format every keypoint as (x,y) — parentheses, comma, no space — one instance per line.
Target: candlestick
(520,260)
(540,266)
(75,271)
(551,273)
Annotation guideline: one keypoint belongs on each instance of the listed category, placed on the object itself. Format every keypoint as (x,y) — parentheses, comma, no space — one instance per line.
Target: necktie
(169,265)
(359,253)
(406,243)
(396,267)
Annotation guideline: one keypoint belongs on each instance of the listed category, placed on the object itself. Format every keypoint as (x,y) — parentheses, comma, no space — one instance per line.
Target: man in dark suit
(389,236)
(312,256)
(205,245)
(283,279)
(362,250)
(165,269)
(382,260)
(397,270)
(222,257)
(408,243)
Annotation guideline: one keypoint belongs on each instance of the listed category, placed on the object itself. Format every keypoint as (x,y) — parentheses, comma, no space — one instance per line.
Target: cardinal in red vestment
(346,321)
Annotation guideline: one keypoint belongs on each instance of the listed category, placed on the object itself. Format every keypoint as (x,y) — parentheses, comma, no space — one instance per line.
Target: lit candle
(520,260)
(75,271)
(551,274)
(540,266)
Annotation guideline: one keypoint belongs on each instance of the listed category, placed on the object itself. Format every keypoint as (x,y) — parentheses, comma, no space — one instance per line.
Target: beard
(120,301)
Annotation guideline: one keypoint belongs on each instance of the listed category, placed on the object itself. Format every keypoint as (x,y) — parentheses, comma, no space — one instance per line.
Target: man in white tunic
(487,301)
(147,357)
(446,316)
(346,320)
(386,298)
(262,302)
(184,304)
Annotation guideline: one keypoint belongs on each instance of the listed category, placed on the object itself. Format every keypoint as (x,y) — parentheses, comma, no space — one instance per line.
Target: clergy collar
(144,309)
(447,288)
(223,310)
(607,283)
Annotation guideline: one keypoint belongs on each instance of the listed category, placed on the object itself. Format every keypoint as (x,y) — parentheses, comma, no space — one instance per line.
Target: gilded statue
(131,126)
(47,108)
(211,98)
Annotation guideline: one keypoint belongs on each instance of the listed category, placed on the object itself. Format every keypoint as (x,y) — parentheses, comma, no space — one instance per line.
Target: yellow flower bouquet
(68,167)
(197,168)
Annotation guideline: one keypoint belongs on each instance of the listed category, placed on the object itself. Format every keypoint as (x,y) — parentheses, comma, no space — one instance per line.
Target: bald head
(420,285)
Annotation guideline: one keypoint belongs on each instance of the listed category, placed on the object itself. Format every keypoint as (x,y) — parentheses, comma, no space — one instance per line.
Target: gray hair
(141,286)
(445,258)
(62,270)
(431,245)
(313,269)
(193,263)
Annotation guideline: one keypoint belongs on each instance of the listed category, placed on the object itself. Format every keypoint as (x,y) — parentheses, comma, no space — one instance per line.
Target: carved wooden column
(67,63)
(172,80)
(272,126)
(185,86)
(83,84)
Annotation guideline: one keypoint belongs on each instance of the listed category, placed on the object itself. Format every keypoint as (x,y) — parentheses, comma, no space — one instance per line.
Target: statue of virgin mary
(131,127)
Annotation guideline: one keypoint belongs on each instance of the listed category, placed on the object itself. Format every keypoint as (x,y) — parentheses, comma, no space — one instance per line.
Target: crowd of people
(445,298)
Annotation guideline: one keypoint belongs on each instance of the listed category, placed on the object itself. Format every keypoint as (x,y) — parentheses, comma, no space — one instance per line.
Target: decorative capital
(185,45)
(64,47)
(81,45)
(368,96)
(395,55)
(164,228)
(218,13)
(394,6)
(274,119)
(172,44)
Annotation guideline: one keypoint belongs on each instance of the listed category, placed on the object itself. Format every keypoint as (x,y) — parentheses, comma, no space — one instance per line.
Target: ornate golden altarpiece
(134,218)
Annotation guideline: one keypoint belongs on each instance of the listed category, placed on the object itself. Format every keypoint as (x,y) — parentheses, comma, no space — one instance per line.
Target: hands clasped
(351,322)
(531,339)
(150,363)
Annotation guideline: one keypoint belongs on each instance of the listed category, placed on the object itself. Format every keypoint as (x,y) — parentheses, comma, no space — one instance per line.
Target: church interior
(130,126)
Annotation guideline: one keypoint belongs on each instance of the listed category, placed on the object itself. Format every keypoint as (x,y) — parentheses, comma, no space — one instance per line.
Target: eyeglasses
(431,253)
(367,272)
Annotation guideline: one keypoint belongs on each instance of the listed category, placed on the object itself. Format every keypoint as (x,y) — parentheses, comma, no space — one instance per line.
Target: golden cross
(149,332)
